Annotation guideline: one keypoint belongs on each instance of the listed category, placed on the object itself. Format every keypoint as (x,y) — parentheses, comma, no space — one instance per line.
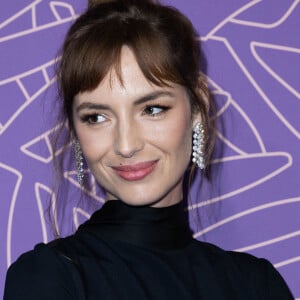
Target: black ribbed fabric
(135,253)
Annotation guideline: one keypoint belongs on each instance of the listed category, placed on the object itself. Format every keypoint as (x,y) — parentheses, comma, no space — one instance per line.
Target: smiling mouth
(136,171)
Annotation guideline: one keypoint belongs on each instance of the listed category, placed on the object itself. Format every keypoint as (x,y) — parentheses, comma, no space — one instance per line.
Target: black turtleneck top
(128,252)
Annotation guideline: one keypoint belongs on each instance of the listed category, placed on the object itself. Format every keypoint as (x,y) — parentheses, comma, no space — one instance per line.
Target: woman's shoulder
(237,261)
(246,269)
(218,254)
(42,255)
(41,273)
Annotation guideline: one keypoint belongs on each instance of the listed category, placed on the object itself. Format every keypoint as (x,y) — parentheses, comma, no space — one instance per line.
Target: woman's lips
(136,171)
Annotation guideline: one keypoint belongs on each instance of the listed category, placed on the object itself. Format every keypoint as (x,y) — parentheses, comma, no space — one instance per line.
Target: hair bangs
(96,53)
(92,55)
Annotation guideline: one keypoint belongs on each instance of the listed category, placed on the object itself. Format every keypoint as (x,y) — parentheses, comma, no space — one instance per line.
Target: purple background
(253,68)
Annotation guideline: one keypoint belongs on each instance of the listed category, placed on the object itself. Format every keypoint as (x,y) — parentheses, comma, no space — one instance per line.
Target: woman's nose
(128,139)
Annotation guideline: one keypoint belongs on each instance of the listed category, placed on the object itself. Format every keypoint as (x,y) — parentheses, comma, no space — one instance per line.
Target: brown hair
(163,40)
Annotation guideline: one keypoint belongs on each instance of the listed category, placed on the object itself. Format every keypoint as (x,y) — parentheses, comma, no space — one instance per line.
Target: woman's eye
(94,119)
(154,110)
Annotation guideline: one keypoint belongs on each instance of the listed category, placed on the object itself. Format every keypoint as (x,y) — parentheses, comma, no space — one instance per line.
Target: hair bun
(92,3)
(96,2)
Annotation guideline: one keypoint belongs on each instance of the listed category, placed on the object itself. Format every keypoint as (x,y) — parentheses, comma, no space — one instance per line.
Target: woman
(138,114)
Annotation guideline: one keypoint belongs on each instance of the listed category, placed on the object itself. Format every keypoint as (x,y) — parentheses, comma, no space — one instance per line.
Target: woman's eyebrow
(141,100)
(153,96)
(91,106)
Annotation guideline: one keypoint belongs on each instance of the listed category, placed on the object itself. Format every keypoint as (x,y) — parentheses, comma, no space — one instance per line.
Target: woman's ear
(204,97)
(197,119)
(203,90)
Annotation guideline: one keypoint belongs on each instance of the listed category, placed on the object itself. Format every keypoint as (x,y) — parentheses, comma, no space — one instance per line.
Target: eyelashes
(93,118)
(153,110)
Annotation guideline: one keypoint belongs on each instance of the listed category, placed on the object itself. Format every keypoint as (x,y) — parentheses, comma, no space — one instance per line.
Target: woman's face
(136,137)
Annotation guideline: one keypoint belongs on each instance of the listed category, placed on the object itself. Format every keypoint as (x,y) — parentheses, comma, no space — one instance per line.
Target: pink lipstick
(136,171)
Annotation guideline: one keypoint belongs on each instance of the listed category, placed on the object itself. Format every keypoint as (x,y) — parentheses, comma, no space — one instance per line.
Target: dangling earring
(198,145)
(79,161)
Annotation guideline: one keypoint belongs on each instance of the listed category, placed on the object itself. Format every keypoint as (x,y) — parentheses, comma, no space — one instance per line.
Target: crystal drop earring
(79,161)
(198,146)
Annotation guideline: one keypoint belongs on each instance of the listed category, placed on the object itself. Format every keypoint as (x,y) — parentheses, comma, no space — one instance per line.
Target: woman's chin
(146,201)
